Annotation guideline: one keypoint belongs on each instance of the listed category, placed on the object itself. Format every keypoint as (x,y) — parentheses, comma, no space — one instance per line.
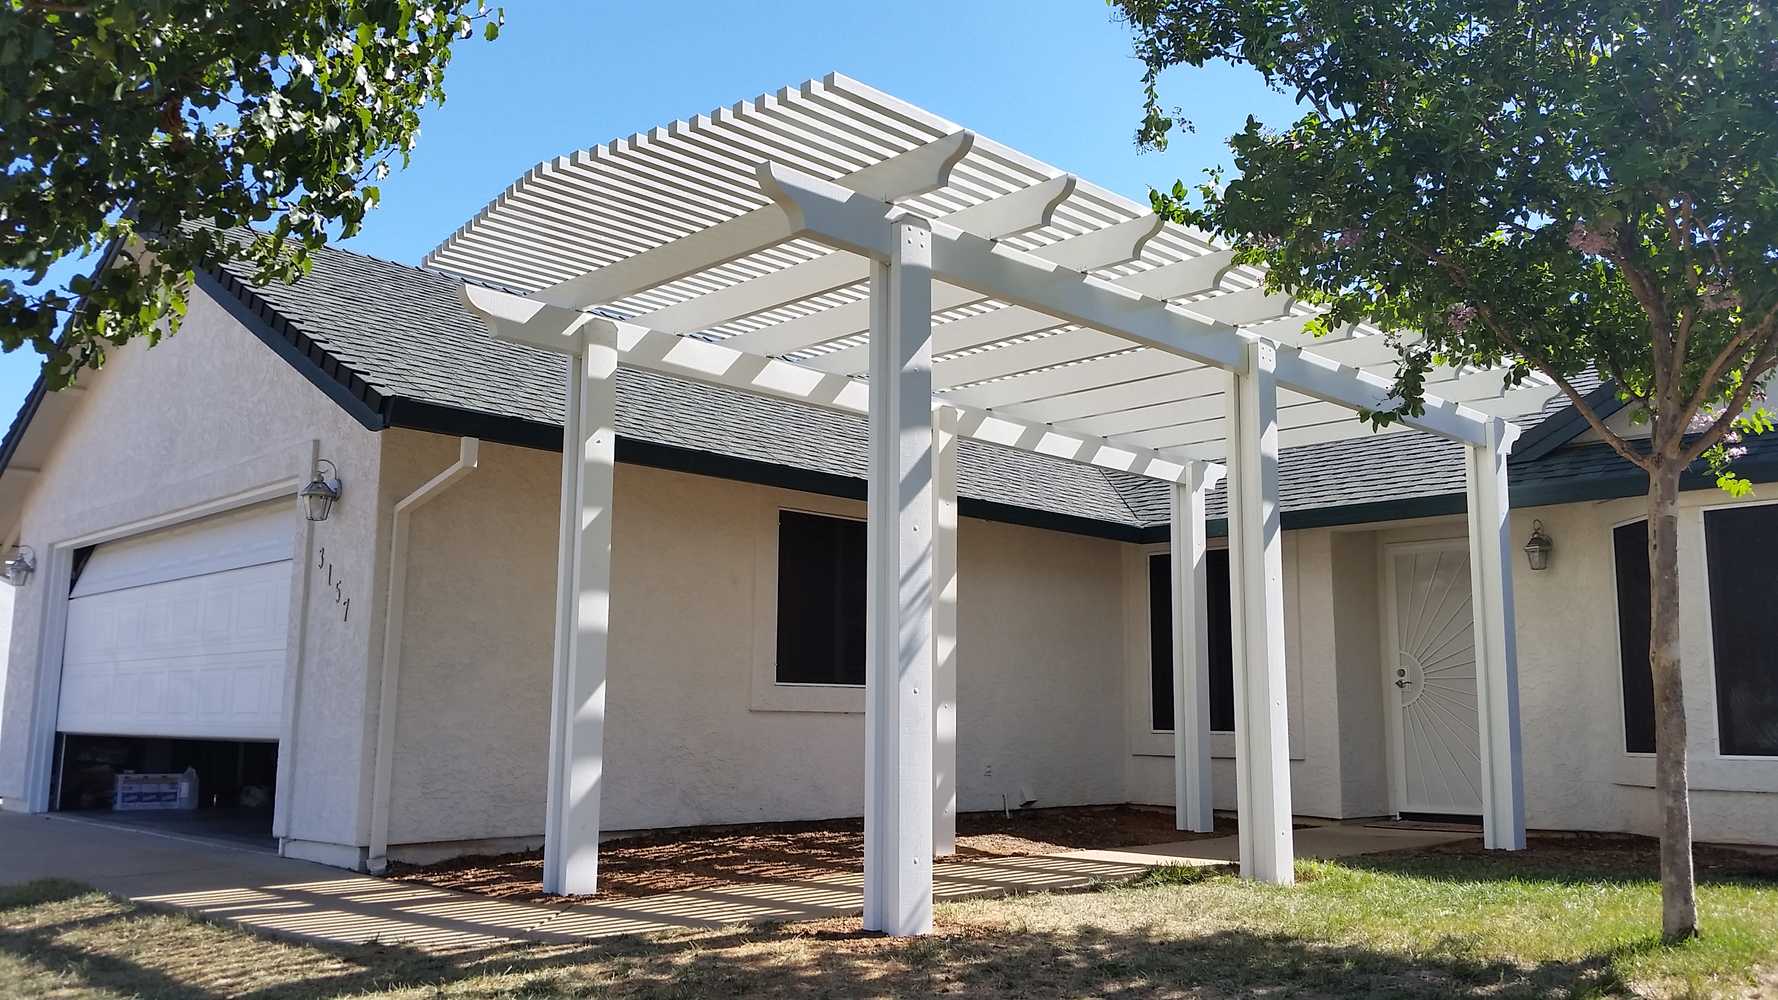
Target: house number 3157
(338,586)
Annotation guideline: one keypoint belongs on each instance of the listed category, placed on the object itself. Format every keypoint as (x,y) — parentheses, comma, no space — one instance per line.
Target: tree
(156,126)
(1554,187)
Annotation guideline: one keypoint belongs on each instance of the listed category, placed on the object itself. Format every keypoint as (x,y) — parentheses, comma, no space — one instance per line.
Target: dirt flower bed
(1614,855)
(704,857)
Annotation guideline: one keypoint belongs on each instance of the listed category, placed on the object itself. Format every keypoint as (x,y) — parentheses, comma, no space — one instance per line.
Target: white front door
(1430,679)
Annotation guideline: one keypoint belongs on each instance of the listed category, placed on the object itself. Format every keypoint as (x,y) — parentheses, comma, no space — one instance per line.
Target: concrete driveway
(316,903)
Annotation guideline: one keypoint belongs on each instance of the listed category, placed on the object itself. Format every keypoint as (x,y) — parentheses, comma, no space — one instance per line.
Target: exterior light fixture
(18,566)
(322,492)
(1537,549)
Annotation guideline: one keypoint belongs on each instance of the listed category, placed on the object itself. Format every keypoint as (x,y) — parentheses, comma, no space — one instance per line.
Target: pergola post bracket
(583,618)
(1496,655)
(1191,653)
(1256,583)
(944,630)
(898,720)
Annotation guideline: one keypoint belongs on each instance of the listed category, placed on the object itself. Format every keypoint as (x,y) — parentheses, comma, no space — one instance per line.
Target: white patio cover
(833,245)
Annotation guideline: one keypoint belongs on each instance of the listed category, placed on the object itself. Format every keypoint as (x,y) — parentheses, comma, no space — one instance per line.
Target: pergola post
(583,590)
(1256,570)
(1191,657)
(1496,653)
(898,780)
(944,631)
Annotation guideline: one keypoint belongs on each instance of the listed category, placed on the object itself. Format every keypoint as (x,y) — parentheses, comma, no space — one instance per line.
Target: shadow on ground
(186,960)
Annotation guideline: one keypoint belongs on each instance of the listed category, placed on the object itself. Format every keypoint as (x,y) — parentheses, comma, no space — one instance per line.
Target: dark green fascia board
(1566,424)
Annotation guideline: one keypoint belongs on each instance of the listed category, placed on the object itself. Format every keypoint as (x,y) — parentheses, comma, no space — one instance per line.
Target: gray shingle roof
(404,331)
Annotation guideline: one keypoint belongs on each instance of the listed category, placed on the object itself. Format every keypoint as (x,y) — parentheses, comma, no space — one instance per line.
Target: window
(1741,545)
(1160,644)
(821,579)
(1630,550)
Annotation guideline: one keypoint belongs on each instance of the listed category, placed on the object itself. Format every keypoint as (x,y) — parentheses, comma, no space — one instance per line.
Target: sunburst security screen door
(1430,670)
(829,243)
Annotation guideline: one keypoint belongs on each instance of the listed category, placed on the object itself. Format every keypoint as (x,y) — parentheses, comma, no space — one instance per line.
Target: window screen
(1741,544)
(1630,550)
(1160,644)
(821,579)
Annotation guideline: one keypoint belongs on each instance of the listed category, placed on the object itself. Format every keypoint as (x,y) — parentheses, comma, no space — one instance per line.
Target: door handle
(1402,682)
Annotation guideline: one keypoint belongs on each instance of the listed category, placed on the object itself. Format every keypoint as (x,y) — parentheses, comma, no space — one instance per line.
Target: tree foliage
(1551,186)
(154,126)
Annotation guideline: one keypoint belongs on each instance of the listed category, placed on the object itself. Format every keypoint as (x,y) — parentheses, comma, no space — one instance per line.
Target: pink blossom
(1586,241)
(1460,316)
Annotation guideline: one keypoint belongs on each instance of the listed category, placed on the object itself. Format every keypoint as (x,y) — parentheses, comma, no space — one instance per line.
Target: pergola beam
(1026,209)
(833,214)
(1101,248)
(918,171)
(524,320)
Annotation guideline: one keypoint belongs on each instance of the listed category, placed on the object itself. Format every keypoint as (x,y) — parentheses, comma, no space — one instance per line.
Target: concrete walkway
(316,903)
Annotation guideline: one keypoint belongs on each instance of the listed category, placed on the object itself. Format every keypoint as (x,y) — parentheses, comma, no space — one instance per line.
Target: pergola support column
(1496,653)
(583,606)
(944,631)
(1191,656)
(898,823)
(1256,570)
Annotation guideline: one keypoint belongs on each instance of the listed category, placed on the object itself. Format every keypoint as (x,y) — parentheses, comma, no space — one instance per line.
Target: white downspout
(467,458)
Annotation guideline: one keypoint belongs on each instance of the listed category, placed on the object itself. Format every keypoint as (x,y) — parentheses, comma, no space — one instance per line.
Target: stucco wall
(1577,775)
(206,415)
(1040,678)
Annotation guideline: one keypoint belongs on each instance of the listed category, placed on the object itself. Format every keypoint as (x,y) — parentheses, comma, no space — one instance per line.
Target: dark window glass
(1630,547)
(1160,641)
(821,579)
(1741,544)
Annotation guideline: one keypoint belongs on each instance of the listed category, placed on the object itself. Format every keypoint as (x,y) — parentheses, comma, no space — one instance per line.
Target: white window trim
(766,693)
(1708,646)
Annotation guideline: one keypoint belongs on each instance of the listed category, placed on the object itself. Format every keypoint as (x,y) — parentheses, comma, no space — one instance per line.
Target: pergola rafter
(860,254)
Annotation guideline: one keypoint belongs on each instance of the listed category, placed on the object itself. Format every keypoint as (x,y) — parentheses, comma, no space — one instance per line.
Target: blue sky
(1054,78)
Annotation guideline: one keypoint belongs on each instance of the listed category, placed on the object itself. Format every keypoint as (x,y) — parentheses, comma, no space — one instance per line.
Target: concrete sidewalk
(316,903)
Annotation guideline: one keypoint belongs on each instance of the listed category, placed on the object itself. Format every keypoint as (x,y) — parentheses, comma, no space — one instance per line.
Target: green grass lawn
(1570,918)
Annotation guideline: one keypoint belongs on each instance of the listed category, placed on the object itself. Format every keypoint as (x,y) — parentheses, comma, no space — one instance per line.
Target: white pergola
(834,246)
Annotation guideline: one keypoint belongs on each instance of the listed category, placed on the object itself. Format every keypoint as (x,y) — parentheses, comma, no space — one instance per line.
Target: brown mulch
(1610,854)
(705,857)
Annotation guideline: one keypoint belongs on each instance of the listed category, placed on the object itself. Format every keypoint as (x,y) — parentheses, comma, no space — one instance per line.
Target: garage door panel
(200,656)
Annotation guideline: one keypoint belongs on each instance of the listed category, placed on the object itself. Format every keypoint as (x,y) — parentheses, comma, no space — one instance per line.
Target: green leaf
(142,95)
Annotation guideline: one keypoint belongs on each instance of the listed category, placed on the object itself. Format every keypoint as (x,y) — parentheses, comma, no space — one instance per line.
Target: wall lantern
(322,492)
(18,567)
(1537,549)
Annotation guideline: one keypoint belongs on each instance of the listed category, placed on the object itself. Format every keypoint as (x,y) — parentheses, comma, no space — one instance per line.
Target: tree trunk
(1679,904)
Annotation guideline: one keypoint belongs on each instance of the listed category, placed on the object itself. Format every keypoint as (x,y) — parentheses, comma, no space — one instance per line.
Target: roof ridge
(424,269)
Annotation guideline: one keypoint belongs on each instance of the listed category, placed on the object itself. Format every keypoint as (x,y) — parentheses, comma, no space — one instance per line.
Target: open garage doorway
(209,789)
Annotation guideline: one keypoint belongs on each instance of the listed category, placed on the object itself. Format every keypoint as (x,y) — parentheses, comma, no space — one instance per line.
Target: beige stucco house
(383,682)
(208,613)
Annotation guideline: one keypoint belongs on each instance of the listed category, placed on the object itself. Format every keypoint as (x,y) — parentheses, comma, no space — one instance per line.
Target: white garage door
(182,632)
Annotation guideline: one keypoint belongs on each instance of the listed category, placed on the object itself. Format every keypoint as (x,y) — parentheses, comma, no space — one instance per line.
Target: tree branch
(1732,352)
(1502,331)
(1737,402)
